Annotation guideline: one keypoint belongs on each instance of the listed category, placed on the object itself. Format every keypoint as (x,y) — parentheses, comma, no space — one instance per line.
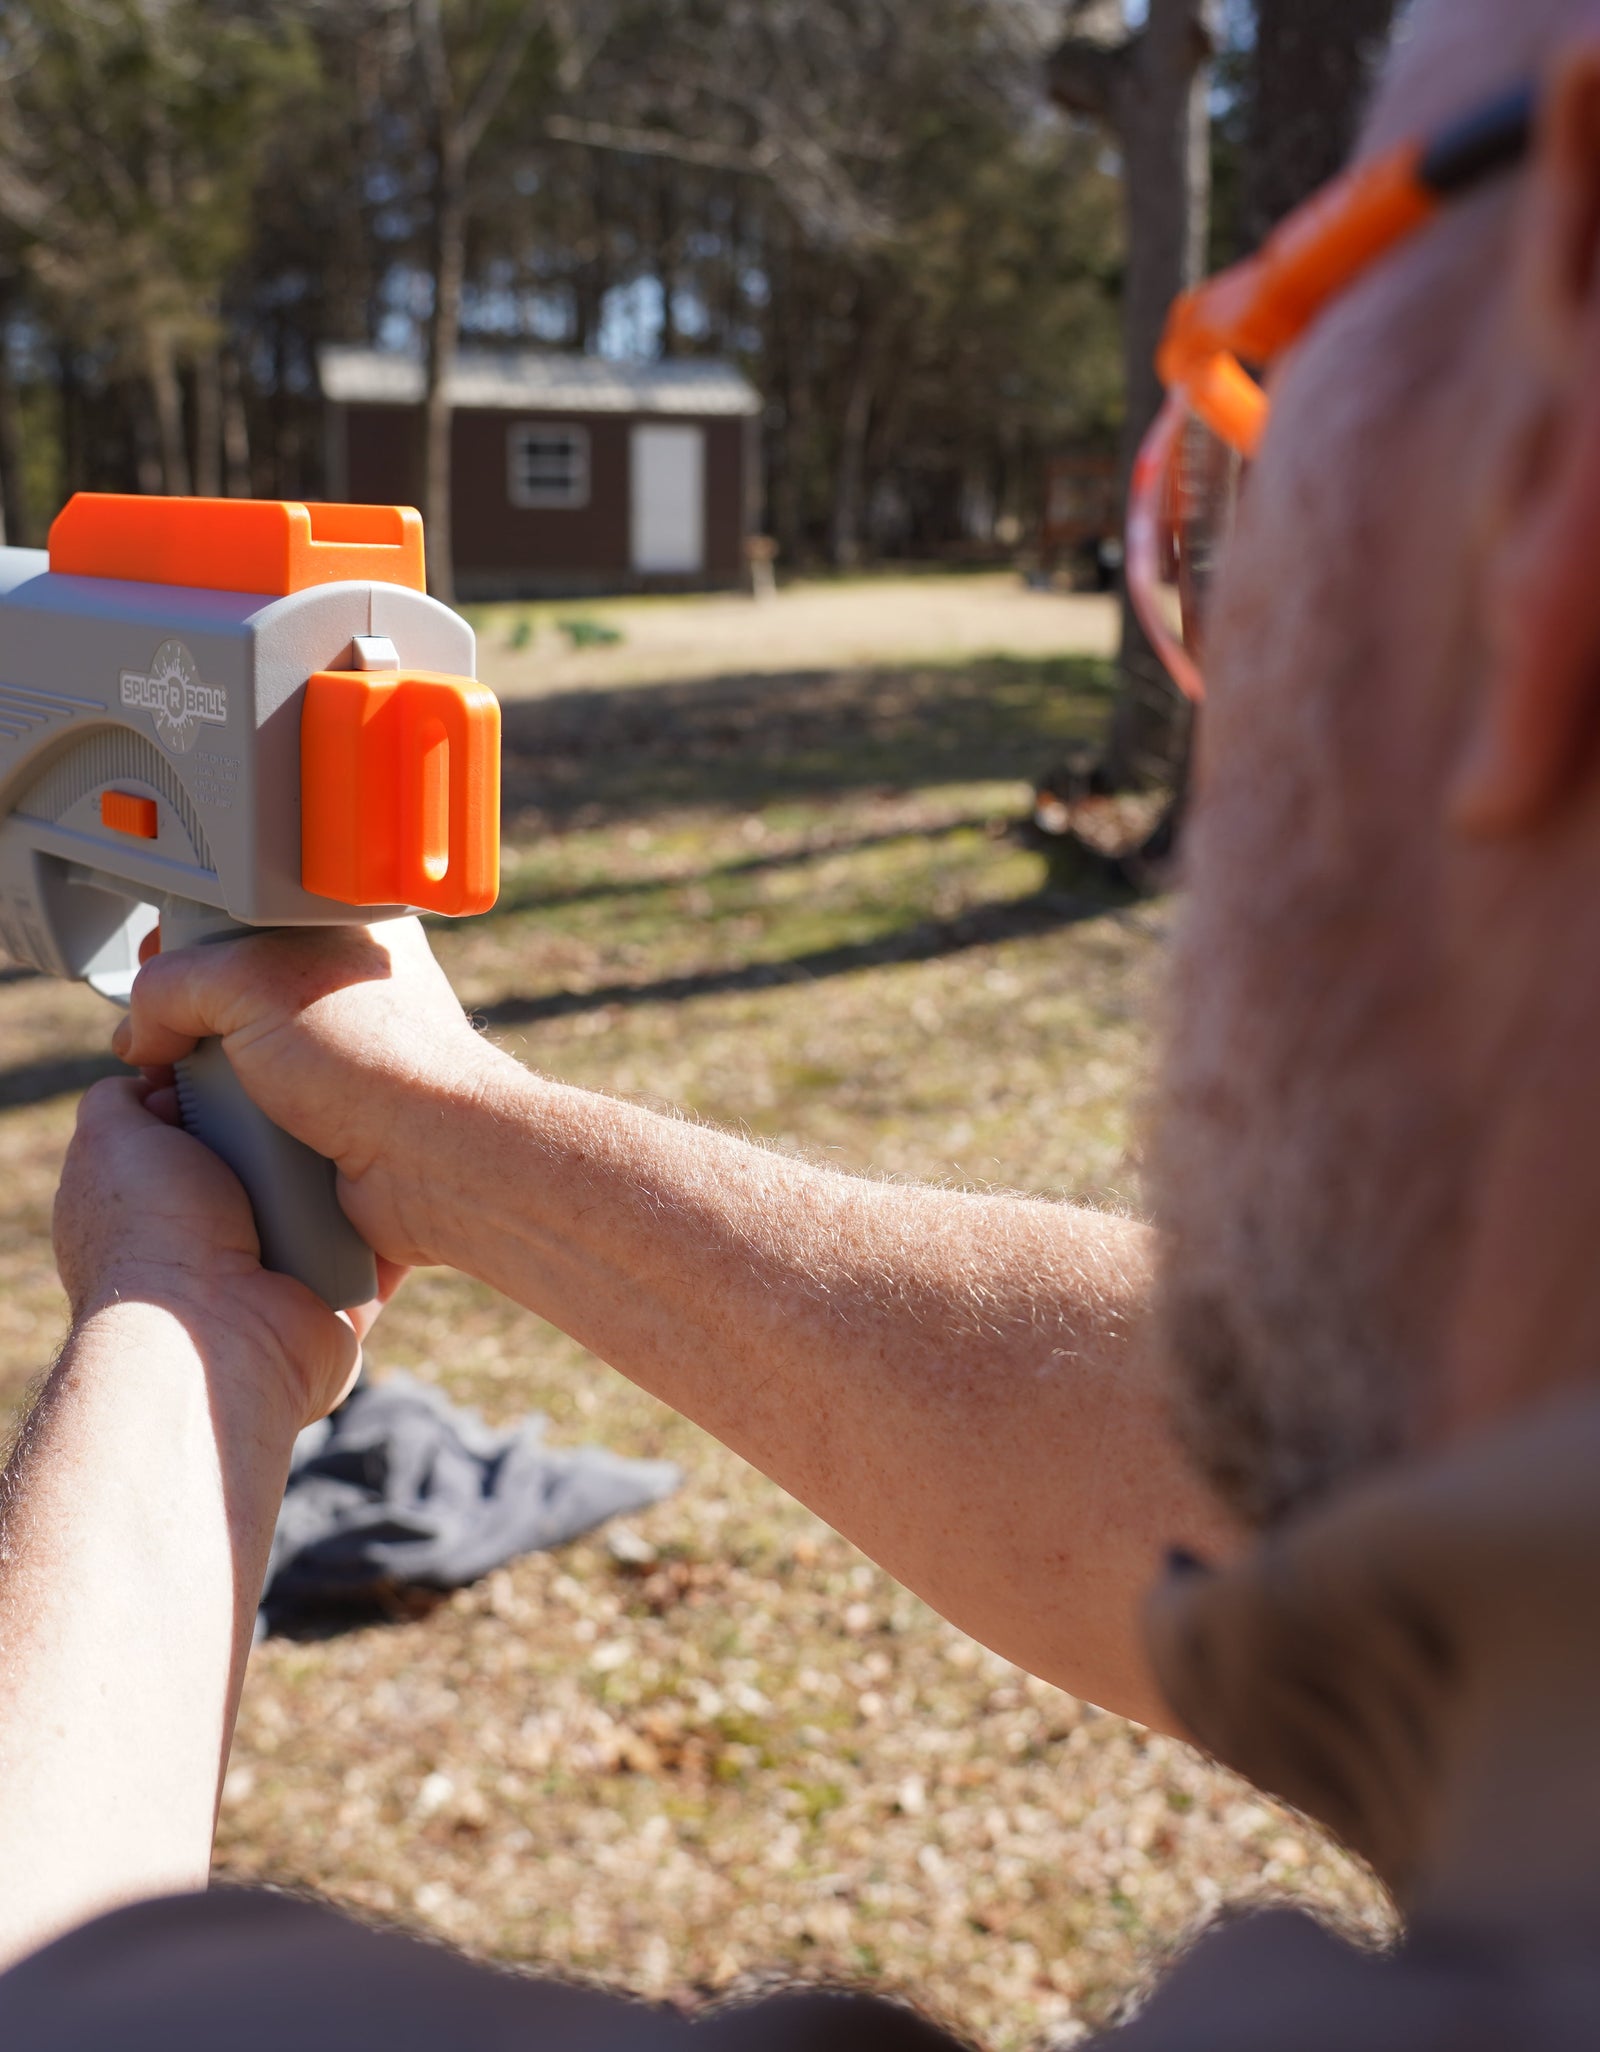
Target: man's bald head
(1378,1163)
(1448,54)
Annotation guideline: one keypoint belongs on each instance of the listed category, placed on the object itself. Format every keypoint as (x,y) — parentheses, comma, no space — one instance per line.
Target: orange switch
(125,812)
(400,790)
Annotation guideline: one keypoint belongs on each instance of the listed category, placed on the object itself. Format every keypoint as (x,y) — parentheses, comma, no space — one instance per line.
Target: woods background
(940,236)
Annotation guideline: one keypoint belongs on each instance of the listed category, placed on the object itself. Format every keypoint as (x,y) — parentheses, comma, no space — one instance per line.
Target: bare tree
(1314,65)
(129,206)
(815,102)
(14,521)
(1149,86)
(858,199)
(467,78)
(1311,65)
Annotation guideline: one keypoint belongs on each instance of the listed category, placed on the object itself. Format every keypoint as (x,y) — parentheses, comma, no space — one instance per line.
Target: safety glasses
(1186,482)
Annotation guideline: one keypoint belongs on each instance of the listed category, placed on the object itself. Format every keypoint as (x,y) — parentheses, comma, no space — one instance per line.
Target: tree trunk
(235,429)
(785,339)
(591,275)
(850,462)
(208,425)
(14,522)
(1315,61)
(459,124)
(730,310)
(277,417)
(74,467)
(849,471)
(787,510)
(1151,88)
(669,246)
(1165,128)
(1166,132)
(444,337)
(139,407)
(166,398)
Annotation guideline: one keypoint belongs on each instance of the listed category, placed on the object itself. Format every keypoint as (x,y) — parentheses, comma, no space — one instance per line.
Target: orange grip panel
(125,812)
(268,545)
(400,790)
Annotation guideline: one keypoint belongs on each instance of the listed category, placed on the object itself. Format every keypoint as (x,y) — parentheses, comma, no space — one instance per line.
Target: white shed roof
(539,380)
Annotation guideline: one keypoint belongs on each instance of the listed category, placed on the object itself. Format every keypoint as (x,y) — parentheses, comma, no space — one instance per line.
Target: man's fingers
(162,1103)
(174,1004)
(194,993)
(347,1374)
(147,1043)
(391,1274)
(160,1088)
(112,1102)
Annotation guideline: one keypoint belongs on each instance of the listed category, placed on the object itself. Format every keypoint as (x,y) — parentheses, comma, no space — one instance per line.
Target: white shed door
(669,500)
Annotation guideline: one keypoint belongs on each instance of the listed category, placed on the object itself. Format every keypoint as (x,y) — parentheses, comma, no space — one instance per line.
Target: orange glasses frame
(1252,312)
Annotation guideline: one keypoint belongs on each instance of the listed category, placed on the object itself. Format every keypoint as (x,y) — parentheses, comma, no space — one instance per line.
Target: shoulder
(1281,1979)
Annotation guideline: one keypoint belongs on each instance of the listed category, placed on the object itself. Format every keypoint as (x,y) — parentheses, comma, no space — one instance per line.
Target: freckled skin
(962,1384)
(135,1516)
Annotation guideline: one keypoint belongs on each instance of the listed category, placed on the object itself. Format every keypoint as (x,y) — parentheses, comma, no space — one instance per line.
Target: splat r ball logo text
(171,692)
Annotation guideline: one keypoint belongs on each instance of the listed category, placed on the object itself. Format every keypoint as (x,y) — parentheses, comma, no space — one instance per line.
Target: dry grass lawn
(722,1745)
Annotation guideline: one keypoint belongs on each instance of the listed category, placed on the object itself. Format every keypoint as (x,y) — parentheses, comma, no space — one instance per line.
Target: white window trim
(568,498)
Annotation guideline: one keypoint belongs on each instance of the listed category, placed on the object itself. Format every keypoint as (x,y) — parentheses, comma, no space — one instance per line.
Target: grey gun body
(191,699)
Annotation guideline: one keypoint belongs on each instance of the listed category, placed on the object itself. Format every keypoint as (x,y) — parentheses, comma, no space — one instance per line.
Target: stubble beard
(1307,1169)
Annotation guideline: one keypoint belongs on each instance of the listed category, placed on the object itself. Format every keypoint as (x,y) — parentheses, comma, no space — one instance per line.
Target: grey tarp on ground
(402,1489)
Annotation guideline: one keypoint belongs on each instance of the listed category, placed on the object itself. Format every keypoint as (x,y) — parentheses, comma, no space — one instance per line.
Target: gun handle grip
(302,1226)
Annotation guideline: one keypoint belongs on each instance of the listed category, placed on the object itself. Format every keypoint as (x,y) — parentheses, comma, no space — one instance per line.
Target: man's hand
(147,1215)
(348,1037)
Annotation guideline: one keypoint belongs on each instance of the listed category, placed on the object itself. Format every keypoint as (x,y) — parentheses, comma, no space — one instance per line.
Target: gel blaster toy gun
(230,714)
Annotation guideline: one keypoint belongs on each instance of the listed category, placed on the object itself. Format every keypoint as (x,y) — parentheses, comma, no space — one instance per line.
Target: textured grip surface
(300,1222)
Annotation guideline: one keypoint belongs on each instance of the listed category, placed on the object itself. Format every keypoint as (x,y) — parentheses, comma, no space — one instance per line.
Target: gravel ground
(718,1744)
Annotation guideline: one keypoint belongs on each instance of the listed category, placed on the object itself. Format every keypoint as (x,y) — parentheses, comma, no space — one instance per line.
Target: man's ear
(1536,732)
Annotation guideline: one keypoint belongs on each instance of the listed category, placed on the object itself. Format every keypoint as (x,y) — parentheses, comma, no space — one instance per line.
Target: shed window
(547,466)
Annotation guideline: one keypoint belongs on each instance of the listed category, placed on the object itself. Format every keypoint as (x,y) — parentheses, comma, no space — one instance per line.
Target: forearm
(964,1385)
(135,1518)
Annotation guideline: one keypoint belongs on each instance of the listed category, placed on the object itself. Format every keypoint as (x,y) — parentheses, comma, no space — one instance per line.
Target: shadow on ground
(590,757)
(593,761)
(927,941)
(55,1076)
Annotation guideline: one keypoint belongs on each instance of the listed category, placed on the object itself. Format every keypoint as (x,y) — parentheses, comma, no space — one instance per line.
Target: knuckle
(102,1098)
(149,988)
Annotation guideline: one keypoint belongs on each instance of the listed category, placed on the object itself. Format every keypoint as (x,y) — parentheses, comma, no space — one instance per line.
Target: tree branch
(23,202)
(498,77)
(1087,66)
(428,31)
(1084,75)
(809,183)
(659,142)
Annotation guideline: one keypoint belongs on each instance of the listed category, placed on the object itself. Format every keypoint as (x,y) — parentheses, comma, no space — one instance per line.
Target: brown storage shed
(569,474)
